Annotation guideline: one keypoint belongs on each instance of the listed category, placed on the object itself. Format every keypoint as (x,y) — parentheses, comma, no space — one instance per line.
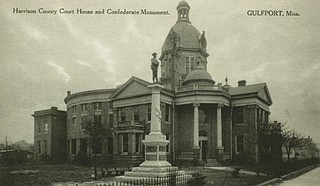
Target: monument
(155,142)
(154,67)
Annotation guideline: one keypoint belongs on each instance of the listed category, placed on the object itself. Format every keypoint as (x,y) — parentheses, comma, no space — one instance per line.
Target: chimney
(54,108)
(68,93)
(242,83)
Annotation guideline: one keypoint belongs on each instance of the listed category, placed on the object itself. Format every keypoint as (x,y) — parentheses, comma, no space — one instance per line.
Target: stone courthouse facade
(202,119)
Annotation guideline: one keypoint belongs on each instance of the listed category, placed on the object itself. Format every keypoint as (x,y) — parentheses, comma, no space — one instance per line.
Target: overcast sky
(43,56)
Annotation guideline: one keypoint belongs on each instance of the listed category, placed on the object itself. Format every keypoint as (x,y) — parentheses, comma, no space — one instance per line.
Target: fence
(171,180)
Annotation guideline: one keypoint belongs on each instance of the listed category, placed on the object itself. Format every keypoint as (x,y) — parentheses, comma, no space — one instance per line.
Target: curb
(288,176)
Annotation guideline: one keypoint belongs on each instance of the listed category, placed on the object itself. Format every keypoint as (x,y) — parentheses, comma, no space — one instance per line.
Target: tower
(183,50)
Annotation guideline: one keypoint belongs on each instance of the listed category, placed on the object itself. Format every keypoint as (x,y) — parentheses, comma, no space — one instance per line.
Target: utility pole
(6,143)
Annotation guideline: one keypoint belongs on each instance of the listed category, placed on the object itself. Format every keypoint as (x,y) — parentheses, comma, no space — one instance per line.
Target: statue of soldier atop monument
(154,67)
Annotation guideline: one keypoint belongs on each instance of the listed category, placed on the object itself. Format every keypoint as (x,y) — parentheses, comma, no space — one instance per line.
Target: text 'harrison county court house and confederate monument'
(196,118)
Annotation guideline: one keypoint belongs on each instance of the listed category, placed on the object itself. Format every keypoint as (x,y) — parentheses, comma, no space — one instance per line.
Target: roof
(198,75)
(183,4)
(246,89)
(259,89)
(89,92)
(122,87)
(187,33)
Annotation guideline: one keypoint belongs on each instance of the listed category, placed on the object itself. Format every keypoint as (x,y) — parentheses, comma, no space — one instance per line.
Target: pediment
(133,87)
(265,95)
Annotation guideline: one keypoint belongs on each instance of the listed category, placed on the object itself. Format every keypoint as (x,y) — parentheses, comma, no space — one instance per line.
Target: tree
(267,137)
(291,139)
(269,141)
(98,133)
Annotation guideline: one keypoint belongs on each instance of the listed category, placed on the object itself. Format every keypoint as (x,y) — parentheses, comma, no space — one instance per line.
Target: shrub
(81,158)
(45,158)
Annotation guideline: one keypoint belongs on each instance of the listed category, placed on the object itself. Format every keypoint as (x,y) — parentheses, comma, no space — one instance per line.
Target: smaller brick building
(50,134)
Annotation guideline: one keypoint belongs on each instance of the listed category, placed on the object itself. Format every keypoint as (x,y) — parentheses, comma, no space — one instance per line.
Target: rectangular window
(190,64)
(83,145)
(45,127)
(39,127)
(84,107)
(73,146)
(110,145)
(259,116)
(125,143)
(122,115)
(149,112)
(168,113)
(168,146)
(68,146)
(193,66)
(97,119)
(45,146)
(97,106)
(96,145)
(187,65)
(110,120)
(238,115)
(136,114)
(74,109)
(240,144)
(203,117)
(39,147)
(74,123)
(83,122)
(138,142)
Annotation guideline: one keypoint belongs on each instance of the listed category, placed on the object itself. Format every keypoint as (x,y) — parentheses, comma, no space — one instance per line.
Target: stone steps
(213,163)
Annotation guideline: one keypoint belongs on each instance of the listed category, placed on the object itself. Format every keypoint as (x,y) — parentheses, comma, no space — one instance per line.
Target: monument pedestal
(155,163)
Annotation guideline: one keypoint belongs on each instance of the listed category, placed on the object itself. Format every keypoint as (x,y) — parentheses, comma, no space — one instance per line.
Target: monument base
(150,172)
(155,163)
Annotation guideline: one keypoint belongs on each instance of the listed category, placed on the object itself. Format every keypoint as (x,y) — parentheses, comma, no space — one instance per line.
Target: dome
(183,34)
(188,36)
(199,76)
(183,4)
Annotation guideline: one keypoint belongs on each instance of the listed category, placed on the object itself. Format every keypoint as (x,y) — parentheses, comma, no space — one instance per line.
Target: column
(219,134)
(196,125)
(256,122)
(155,110)
(219,126)
(133,142)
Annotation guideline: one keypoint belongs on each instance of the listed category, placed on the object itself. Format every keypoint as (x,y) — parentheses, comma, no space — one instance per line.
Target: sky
(42,56)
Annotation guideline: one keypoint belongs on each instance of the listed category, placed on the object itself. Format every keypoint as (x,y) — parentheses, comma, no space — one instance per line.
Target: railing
(172,179)
(185,156)
(129,123)
(200,87)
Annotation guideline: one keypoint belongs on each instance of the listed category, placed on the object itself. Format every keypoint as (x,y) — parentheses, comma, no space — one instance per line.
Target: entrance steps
(212,163)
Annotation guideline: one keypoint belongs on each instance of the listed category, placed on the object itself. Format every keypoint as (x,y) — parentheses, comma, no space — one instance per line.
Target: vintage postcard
(140,89)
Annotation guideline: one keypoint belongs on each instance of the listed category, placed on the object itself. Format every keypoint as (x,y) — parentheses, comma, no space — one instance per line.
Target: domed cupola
(183,48)
(183,11)
(183,34)
(198,76)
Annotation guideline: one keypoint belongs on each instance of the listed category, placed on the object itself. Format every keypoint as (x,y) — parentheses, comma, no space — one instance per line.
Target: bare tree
(98,133)
(291,139)
(269,141)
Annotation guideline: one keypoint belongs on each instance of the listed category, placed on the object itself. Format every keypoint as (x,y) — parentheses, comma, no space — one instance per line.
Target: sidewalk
(230,169)
(309,178)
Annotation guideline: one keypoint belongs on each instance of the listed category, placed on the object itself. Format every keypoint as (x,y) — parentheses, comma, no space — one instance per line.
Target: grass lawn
(45,175)
(48,174)
(217,177)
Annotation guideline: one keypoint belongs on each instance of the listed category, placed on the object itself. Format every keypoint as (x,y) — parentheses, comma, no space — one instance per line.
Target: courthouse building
(201,118)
